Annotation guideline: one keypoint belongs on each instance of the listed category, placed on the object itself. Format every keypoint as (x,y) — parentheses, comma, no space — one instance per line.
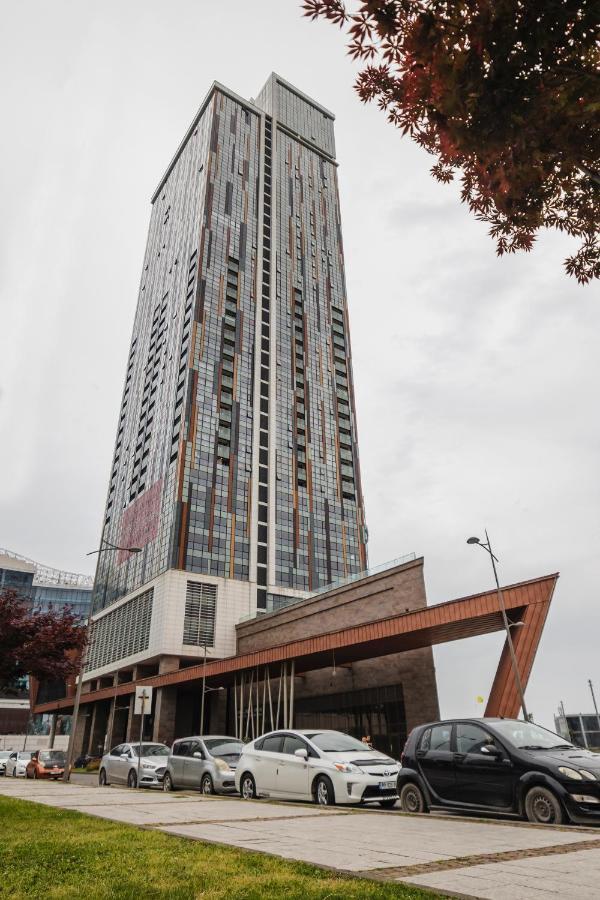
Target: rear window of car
(436,738)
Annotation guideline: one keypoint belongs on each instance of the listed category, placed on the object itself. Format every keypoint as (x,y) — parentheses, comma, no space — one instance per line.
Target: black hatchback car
(504,766)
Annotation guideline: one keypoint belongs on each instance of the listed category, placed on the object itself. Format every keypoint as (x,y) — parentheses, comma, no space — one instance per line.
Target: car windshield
(527,736)
(223,746)
(54,757)
(151,749)
(23,755)
(336,742)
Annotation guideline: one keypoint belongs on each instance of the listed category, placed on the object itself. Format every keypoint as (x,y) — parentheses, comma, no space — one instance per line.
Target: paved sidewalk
(476,858)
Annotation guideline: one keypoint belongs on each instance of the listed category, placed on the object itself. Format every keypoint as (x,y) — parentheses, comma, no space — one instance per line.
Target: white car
(120,766)
(16,763)
(4,755)
(324,766)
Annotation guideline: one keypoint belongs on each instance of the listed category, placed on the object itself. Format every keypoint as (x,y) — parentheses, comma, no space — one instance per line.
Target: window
(194,747)
(471,738)
(200,611)
(291,743)
(118,750)
(272,744)
(122,632)
(182,748)
(440,737)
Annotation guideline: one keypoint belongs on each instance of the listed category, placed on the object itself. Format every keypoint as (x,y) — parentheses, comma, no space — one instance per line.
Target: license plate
(386,785)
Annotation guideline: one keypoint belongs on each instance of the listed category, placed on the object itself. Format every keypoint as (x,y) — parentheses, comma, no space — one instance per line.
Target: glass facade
(376,713)
(236,452)
(51,597)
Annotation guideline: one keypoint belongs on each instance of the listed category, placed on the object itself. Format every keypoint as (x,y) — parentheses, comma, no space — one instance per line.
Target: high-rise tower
(236,466)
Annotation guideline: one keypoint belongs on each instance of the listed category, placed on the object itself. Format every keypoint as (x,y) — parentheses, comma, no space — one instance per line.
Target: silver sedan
(206,763)
(122,764)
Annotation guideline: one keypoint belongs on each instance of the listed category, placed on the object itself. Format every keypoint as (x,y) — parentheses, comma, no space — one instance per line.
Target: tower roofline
(302,95)
(222,89)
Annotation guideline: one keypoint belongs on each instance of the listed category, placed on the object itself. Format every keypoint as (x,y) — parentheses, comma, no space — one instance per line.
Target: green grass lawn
(53,853)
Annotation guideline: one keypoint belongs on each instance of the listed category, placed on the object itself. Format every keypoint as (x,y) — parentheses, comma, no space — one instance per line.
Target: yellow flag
(479,699)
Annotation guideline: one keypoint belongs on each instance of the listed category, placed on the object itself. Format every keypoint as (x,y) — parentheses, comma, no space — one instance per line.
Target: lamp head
(473,540)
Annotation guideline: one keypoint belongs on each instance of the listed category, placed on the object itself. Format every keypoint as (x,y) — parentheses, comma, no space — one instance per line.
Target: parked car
(325,766)
(17,763)
(207,763)
(4,754)
(502,766)
(121,765)
(46,764)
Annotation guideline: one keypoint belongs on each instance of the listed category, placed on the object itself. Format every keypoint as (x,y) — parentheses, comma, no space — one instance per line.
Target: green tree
(506,95)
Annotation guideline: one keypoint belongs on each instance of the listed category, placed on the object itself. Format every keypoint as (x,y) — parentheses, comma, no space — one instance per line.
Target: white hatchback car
(325,766)
(16,764)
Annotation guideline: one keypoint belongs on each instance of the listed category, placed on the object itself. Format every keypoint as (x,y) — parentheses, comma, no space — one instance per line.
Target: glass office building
(235,475)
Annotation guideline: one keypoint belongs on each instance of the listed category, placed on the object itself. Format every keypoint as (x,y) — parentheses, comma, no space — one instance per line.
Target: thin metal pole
(264,702)
(278,699)
(509,639)
(594,701)
(235,705)
(293,669)
(137,781)
(75,716)
(241,734)
(249,713)
(257,705)
(285,696)
(270,698)
(203,692)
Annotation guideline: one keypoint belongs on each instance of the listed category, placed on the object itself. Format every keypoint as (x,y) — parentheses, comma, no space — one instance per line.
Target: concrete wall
(388,593)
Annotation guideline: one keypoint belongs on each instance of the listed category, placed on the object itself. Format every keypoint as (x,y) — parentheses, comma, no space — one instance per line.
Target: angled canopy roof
(526,602)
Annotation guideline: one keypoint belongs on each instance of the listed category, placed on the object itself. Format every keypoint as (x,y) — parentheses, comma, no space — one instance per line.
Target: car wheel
(248,787)
(132,779)
(543,807)
(102,779)
(168,785)
(324,794)
(412,799)
(206,785)
(387,804)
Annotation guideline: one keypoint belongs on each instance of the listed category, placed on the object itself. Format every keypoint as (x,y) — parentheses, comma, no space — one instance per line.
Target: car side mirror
(198,755)
(124,755)
(492,750)
(301,752)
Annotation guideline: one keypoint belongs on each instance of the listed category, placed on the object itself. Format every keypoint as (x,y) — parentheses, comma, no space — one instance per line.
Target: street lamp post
(88,628)
(511,649)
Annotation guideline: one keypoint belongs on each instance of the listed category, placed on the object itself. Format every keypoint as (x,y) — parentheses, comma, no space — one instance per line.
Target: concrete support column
(165,704)
(81,731)
(130,734)
(90,743)
(52,731)
(164,715)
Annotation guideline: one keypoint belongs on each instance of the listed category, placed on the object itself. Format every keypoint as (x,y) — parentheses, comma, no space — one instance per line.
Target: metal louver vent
(121,633)
(200,610)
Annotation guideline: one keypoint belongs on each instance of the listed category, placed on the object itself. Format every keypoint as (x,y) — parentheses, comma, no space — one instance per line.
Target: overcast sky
(476,378)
